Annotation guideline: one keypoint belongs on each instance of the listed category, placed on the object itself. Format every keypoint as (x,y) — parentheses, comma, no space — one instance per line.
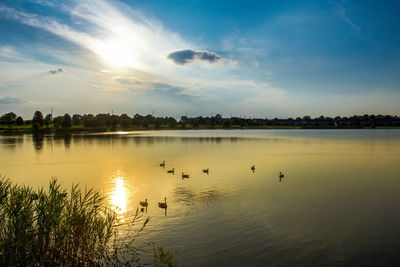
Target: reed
(54,227)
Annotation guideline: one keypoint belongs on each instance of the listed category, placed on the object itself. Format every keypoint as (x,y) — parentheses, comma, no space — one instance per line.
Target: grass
(54,227)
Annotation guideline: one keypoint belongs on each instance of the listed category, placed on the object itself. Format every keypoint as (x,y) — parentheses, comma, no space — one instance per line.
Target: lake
(337,204)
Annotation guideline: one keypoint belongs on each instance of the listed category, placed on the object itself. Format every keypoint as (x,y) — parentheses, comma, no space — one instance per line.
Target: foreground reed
(58,228)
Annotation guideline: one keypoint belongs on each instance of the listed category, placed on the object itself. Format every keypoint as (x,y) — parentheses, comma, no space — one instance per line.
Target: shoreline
(85,130)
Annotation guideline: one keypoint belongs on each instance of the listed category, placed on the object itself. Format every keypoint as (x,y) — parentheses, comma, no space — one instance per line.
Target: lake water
(337,204)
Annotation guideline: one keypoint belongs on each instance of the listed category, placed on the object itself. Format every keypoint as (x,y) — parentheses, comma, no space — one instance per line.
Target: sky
(171,58)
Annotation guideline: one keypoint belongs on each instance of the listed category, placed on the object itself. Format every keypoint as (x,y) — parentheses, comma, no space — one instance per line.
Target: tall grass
(54,227)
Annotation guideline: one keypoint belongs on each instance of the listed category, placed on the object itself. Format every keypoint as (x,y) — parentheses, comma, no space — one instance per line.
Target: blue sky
(246,58)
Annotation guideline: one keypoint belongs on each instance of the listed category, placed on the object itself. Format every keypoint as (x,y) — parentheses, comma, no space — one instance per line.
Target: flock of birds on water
(163,205)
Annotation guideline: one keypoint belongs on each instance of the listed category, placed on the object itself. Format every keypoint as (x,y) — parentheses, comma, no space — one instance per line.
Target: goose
(163,205)
(253,168)
(162,164)
(185,175)
(281,175)
(206,170)
(144,203)
(171,171)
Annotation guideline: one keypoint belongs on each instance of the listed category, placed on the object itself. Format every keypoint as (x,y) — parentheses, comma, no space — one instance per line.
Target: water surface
(337,204)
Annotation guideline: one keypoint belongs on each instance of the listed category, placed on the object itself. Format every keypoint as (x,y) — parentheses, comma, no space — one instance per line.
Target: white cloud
(9,53)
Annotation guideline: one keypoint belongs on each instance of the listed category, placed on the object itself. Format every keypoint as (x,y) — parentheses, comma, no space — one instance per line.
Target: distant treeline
(124,121)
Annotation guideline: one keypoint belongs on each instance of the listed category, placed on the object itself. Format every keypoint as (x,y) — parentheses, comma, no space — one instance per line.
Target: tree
(19,121)
(227,124)
(48,119)
(172,123)
(67,121)
(76,119)
(157,124)
(38,118)
(8,118)
(145,124)
(125,121)
(58,121)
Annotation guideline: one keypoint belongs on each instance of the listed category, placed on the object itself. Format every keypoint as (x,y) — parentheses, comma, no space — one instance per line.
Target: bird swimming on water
(206,170)
(171,171)
(144,203)
(185,175)
(162,164)
(253,168)
(163,205)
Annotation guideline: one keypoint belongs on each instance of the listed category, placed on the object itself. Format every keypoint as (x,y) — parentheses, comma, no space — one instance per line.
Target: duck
(171,171)
(185,175)
(253,168)
(144,203)
(163,205)
(206,170)
(162,164)
(281,175)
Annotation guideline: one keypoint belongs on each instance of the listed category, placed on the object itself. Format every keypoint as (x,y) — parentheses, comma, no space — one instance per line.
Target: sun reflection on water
(119,193)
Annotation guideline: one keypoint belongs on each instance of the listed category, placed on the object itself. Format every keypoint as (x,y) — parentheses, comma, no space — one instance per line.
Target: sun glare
(119,194)
(118,53)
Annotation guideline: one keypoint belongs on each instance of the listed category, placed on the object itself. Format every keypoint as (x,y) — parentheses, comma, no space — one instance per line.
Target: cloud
(55,71)
(345,18)
(10,100)
(126,81)
(8,53)
(183,57)
(43,3)
(169,91)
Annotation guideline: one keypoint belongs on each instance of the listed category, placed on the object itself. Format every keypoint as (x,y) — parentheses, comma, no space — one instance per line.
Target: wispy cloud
(8,53)
(10,100)
(43,2)
(133,41)
(343,15)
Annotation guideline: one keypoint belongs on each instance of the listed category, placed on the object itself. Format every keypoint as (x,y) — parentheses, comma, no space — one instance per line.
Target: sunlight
(118,194)
(118,53)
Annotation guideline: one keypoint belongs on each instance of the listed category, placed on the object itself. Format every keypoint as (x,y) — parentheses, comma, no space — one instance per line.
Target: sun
(118,54)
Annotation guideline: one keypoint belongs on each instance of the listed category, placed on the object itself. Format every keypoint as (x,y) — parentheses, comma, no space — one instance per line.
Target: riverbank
(27,129)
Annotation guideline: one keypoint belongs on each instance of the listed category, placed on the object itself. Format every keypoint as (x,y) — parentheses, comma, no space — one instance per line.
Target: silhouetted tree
(76,119)
(19,121)
(226,123)
(57,121)
(157,124)
(8,118)
(67,121)
(125,121)
(145,124)
(172,123)
(38,118)
(48,119)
